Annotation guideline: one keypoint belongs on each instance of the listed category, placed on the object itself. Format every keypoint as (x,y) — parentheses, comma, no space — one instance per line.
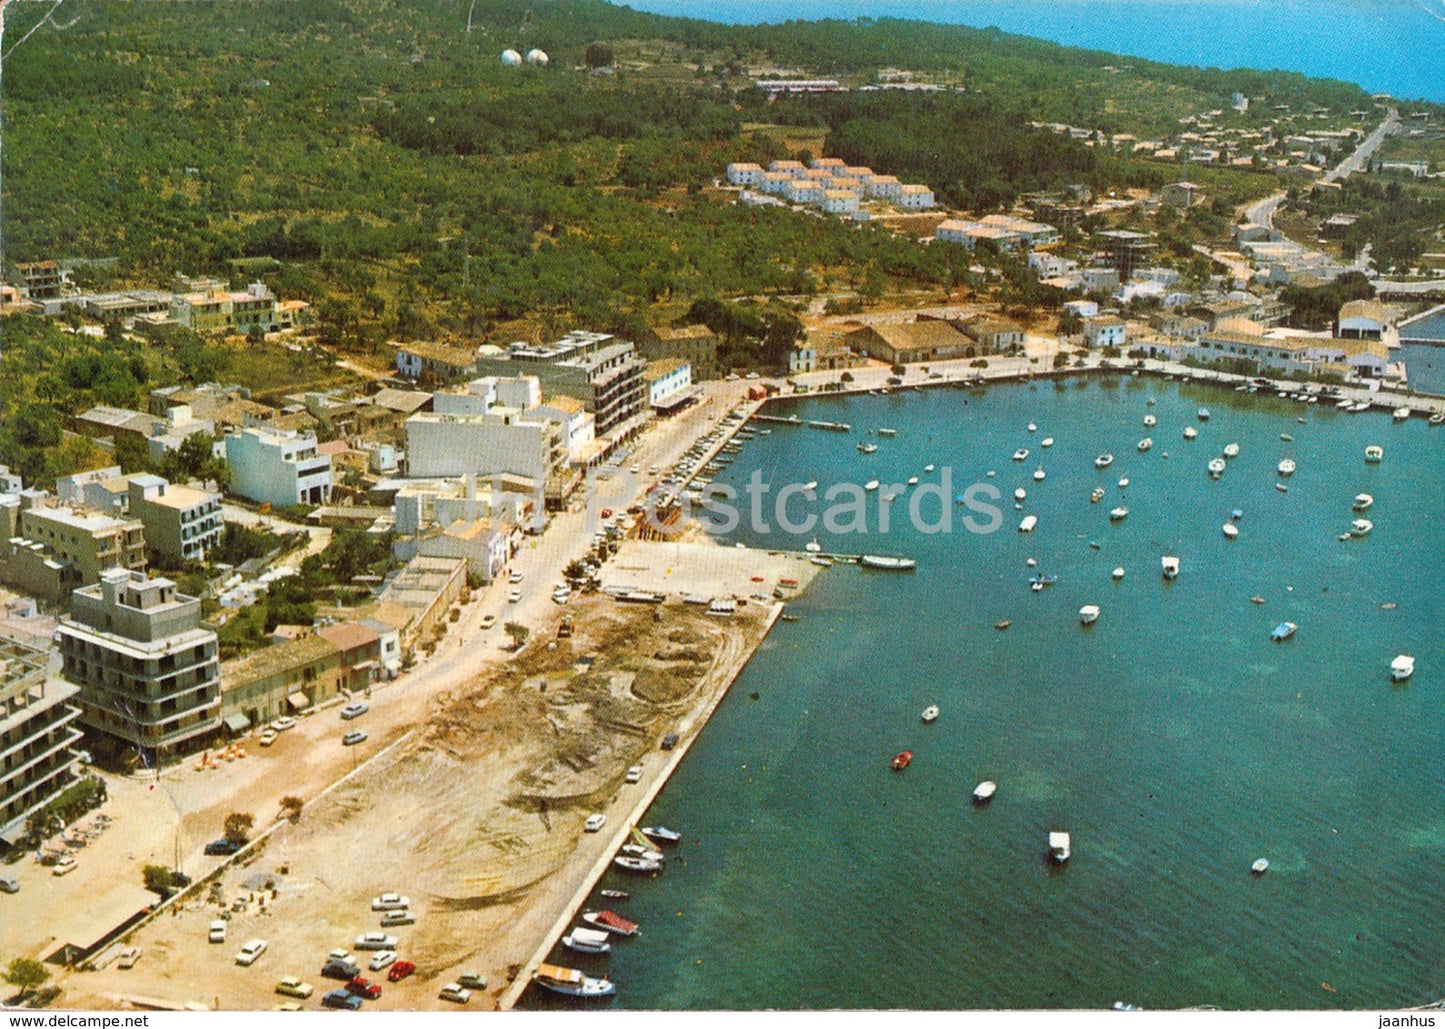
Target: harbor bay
(1172,738)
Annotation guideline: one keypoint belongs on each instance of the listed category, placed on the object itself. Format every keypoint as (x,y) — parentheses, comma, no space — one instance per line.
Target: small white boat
(1048,441)
(1260,866)
(587,941)
(629,863)
(928,468)
(1402,668)
(1400,414)
(1231,531)
(1059,847)
(1231,450)
(813,546)
(1344,405)
(1031,563)
(1203,414)
(887,433)
(1019,494)
(1145,444)
(913,480)
(930,713)
(1097,495)
(1374,455)
(885,563)
(1281,487)
(1103,460)
(1286,467)
(1438,418)
(1118,574)
(1286,437)
(1021,454)
(1027,525)
(1170,565)
(867,448)
(1124,482)
(1363,405)
(1033,427)
(1088,614)
(1216,468)
(1283,631)
(1118,514)
(990,473)
(1363,502)
(1039,475)
(1150,421)
(984,791)
(871,485)
(1190,432)
(571,982)
(1361,527)
(811,485)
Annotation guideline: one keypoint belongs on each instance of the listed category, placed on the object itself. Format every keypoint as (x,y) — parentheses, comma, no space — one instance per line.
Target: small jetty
(811,424)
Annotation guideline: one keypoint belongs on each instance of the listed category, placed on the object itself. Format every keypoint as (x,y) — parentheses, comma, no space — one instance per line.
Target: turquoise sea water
(1384,45)
(1172,739)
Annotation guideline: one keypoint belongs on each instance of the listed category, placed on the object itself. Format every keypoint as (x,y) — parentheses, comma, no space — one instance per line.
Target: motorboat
(901,761)
(1260,866)
(612,922)
(1363,405)
(1256,600)
(813,546)
(637,850)
(1039,475)
(614,894)
(984,791)
(1059,847)
(1118,514)
(1203,414)
(1438,418)
(1033,427)
(928,468)
(821,562)
(1231,531)
(1236,515)
(1363,502)
(867,448)
(1286,437)
(1088,614)
(1400,414)
(1021,454)
(1344,405)
(1286,467)
(628,863)
(1402,668)
(1049,440)
(571,982)
(1216,468)
(1145,444)
(1002,624)
(930,713)
(1170,565)
(1150,421)
(1124,482)
(871,485)
(1117,574)
(661,834)
(1020,494)
(1361,527)
(1283,631)
(1027,525)
(1231,450)
(811,485)
(1094,544)
(1097,495)
(1374,455)
(887,433)
(913,480)
(1190,432)
(1103,460)
(887,564)
(1281,487)
(587,941)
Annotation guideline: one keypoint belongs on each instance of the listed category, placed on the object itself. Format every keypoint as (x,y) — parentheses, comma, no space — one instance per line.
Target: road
(1262,212)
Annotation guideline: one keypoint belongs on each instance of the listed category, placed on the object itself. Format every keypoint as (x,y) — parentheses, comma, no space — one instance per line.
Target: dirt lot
(476,815)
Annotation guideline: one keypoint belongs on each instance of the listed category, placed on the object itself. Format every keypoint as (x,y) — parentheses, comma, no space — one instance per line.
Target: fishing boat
(1097,495)
(1002,624)
(930,713)
(1256,600)
(1124,482)
(628,863)
(1286,437)
(614,894)
(888,433)
(1402,668)
(913,480)
(821,562)
(871,485)
(1022,454)
(1361,527)
(1049,440)
(637,850)
(1216,467)
(867,448)
(888,564)
(1103,460)
(1435,419)
(1027,525)
(1231,531)
(901,761)
(612,922)
(1281,487)
(1059,847)
(1283,631)
(1286,467)
(661,834)
(1118,514)
(587,941)
(984,791)
(1088,614)
(1033,427)
(1150,421)
(1038,475)
(1190,432)
(1117,574)
(1019,494)
(1363,502)
(1260,866)
(1145,444)
(1374,455)
(813,546)
(1170,565)
(1400,414)
(1231,450)
(1203,414)
(571,982)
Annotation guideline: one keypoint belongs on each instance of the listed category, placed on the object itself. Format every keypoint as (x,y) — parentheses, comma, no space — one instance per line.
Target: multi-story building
(599,370)
(479,433)
(255,308)
(37,736)
(1105,331)
(284,678)
(146,669)
(669,383)
(434,363)
(203,312)
(1127,250)
(181,524)
(41,280)
(279,468)
(745,173)
(914,197)
(52,550)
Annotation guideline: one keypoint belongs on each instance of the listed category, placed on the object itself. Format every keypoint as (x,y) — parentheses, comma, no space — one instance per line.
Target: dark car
(400,971)
(343,970)
(364,988)
(341,999)
(224,847)
(669,741)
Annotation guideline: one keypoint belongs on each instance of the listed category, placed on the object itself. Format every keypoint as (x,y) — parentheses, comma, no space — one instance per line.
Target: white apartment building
(37,737)
(913,197)
(181,524)
(744,173)
(279,468)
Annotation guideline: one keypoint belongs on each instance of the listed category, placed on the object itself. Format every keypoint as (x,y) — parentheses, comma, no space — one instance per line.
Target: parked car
(267,737)
(9,886)
(594,823)
(217,933)
(516,577)
(339,969)
(224,847)
(381,959)
(473,980)
(514,596)
(292,986)
(250,951)
(390,902)
(400,971)
(64,866)
(363,988)
(634,773)
(128,957)
(283,723)
(355,709)
(342,1000)
(488,621)
(375,941)
(669,741)
(354,737)
(456,993)
(339,954)
(401,917)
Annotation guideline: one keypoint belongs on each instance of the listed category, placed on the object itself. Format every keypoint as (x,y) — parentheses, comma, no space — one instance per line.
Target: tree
(238,826)
(26,973)
(157,879)
(598,55)
(519,634)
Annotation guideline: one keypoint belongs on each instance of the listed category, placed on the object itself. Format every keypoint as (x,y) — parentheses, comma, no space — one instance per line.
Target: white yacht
(984,791)
(1286,437)
(1150,421)
(1400,414)
(1363,502)
(813,546)
(867,448)
(1286,467)
(1033,427)
(1027,525)
(913,480)
(1021,454)
(1190,432)
(928,468)
(1124,482)
(1038,475)
(930,713)
(871,485)
(1059,847)
(1118,514)
(1145,444)
(1170,565)
(1231,450)
(1089,614)
(1231,531)
(1103,460)
(1361,527)
(811,485)
(1374,455)
(1402,668)
(1048,441)
(1118,574)
(1260,866)
(1216,468)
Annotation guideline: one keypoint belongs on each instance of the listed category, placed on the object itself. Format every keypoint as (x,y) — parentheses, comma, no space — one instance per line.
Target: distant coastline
(1339,39)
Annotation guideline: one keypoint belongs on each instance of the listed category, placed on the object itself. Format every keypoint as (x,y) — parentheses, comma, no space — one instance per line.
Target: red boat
(901,761)
(611,921)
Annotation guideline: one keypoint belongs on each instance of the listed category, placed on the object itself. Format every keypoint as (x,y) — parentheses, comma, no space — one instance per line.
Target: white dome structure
(511,59)
(538,58)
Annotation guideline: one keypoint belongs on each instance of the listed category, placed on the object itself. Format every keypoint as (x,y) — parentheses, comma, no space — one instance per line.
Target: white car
(382,960)
(594,822)
(390,902)
(340,955)
(292,986)
(488,621)
(456,993)
(355,709)
(128,957)
(375,941)
(634,774)
(217,933)
(283,723)
(514,596)
(400,917)
(250,951)
(516,577)
(268,737)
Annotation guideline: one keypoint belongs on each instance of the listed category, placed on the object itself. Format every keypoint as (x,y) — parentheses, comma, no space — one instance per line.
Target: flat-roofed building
(805,191)
(146,668)
(1105,330)
(37,736)
(669,383)
(744,173)
(278,468)
(884,187)
(913,197)
(775,181)
(55,549)
(181,524)
(840,201)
